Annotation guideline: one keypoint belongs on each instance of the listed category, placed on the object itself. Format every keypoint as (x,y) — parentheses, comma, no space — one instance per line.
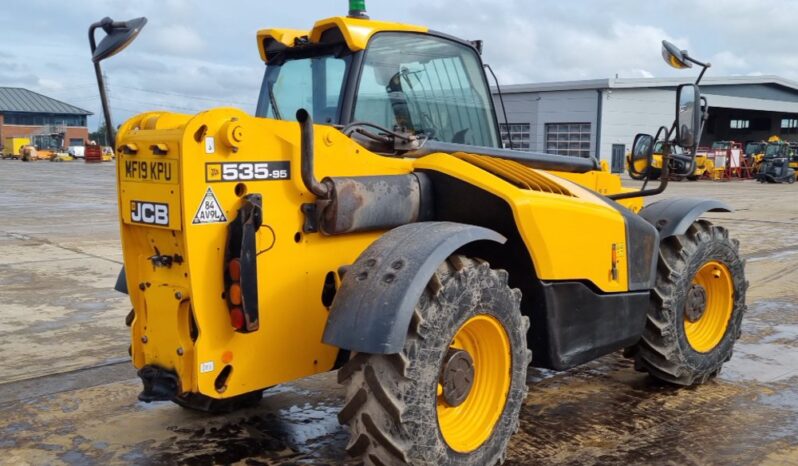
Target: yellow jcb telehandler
(367,220)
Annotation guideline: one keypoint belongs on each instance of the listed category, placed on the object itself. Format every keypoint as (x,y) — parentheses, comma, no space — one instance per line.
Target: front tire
(398,406)
(696,307)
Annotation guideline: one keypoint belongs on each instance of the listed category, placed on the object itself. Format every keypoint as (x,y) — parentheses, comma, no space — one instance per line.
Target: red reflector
(234,269)
(235,294)
(237,318)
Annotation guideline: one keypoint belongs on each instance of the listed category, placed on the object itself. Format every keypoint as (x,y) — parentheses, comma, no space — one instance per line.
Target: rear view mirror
(688,114)
(675,57)
(119,35)
(642,153)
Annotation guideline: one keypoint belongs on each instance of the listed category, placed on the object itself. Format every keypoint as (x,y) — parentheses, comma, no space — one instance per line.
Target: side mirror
(688,115)
(675,57)
(119,35)
(642,154)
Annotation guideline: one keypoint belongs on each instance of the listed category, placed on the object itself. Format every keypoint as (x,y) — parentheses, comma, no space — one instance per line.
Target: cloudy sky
(199,54)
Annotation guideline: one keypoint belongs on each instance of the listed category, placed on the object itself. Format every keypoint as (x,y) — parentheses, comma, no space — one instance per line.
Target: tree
(99,136)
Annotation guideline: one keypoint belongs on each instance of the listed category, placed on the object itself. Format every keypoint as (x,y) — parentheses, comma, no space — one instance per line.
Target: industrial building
(600,117)
(49,123)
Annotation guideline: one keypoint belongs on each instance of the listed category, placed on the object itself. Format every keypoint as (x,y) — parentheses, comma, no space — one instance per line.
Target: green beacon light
(357,9)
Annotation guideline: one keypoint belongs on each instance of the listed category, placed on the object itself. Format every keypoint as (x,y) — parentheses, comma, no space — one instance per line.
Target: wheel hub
(457,376)
(696,303)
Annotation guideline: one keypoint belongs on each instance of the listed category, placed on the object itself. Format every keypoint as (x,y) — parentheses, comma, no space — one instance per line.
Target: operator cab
(779,149)
(395,85)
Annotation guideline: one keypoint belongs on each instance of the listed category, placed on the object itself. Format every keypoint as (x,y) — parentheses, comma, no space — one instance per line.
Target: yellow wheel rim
(706,332)
(467,426)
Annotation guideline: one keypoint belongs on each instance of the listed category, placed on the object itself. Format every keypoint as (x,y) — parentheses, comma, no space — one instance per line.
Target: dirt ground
(68,392)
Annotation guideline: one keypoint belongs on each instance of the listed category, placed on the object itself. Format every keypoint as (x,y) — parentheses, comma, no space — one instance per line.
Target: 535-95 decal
(247,171)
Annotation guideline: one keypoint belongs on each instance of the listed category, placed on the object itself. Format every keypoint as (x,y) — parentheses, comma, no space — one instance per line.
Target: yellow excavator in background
(367,220)
(755,151)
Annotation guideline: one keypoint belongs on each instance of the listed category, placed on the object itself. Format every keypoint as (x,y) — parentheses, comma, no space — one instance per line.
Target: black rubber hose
(307,153)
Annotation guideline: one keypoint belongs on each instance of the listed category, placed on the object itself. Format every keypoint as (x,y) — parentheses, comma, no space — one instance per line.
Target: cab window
(427,85)
(314,83)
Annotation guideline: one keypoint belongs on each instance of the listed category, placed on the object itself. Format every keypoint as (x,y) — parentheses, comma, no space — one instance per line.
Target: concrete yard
(68,392)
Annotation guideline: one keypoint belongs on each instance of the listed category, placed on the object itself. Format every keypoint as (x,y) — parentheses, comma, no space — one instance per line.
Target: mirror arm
(109,132)
(664,174)
(105,23)
(663,183)
(705,67)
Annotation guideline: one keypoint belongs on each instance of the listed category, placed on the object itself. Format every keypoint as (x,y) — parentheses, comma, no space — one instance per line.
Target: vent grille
(515,173)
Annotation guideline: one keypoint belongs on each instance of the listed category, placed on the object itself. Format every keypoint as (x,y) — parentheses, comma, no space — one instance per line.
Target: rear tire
(394,403)
(690,350)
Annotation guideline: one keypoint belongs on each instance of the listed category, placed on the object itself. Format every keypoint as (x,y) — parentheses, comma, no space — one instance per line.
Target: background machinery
(778,163)
(367,220)
(754,152)
(12,147)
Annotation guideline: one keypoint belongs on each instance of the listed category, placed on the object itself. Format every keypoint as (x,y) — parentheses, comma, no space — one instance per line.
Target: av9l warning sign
(209,211)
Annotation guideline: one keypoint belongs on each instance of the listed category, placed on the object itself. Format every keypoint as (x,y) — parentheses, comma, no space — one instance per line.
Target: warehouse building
(600,118)
(49,123)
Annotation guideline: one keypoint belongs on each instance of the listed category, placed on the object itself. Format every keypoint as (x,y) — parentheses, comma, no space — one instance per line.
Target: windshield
(753,148)
(426,85)
(314,83)
(721,145)
(773,150)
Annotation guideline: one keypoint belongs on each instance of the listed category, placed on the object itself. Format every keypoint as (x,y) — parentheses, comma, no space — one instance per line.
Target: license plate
(148,170)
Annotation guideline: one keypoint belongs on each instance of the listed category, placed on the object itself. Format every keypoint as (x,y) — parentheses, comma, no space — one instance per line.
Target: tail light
(241,267)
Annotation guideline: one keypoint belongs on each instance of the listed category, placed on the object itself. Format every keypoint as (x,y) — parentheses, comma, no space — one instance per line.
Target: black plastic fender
(121,282)
(371,311)
(674,216)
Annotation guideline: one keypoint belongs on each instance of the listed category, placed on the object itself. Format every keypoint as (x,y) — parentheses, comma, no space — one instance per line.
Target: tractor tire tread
(663,350)
(382,409)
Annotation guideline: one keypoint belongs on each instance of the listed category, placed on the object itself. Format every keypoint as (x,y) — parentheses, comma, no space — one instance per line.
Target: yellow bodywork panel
(291,266)
(356,32)
(553,225)
(181,182)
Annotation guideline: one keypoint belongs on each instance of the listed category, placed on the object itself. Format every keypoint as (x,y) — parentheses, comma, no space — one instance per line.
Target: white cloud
(728,60)
(175,40)
(50,84)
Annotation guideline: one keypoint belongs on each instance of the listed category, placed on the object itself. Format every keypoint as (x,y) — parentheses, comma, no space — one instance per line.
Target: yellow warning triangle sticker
(209,211)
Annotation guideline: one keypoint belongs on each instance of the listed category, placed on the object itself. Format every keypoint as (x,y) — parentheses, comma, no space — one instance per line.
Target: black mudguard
(121,282)
(674,216)
(372,309)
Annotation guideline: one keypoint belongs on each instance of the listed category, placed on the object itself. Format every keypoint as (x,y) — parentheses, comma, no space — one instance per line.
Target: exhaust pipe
(313,185)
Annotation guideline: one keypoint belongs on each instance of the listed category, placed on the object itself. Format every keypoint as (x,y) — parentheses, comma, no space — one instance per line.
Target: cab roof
(356,32)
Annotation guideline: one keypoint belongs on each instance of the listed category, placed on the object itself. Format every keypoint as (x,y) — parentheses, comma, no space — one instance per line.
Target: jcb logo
(149,213)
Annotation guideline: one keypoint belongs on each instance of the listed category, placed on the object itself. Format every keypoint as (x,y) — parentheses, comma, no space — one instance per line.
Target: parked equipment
(778,164)
(395,241)
(12,147)
(704,165)
(754,153)
(654,170)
